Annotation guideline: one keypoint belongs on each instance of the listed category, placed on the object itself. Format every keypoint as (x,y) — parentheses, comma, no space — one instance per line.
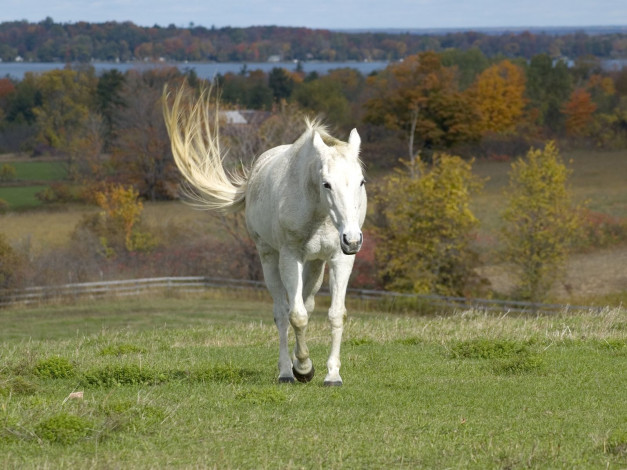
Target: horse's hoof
(332,383)
(304,378)
(286,380)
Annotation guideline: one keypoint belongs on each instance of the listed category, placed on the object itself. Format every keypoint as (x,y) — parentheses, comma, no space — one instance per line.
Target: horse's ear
(354,141)
(318,143)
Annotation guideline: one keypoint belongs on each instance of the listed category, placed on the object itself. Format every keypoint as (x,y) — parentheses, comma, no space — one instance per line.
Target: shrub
(486,349)
(222,373)
(57,192)
(601,230)
(116,375)
(11,265)
(519,364)
(64,429)
(7,172)
(424,228)
(118,227)
(17,386)
(54,368)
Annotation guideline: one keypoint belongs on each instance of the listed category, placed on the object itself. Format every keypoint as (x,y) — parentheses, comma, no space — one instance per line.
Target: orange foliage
(578,110)
(6,87)
(498,94)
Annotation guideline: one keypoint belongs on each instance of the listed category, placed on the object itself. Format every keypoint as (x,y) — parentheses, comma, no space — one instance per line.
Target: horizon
(617,27)
(328,14)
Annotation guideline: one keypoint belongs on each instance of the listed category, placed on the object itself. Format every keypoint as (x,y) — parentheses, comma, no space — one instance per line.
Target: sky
(327,14)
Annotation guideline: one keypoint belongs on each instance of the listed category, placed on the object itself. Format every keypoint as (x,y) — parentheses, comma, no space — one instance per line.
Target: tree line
(455,101)
(47,41)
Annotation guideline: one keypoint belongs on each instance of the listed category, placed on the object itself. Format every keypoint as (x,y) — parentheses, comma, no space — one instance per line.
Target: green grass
(40,171)
(21,197)
(191,383)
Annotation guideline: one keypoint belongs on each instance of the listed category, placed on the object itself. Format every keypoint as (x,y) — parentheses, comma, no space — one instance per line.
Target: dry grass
(42,230)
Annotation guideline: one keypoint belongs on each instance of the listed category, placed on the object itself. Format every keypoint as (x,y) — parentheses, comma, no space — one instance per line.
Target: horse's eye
(326,185)
(362,182)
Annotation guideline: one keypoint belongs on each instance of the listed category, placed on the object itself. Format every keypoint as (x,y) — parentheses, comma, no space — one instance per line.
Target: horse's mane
(316,125)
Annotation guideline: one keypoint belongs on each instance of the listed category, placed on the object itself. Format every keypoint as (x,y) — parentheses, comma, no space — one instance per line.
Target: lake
(207,70)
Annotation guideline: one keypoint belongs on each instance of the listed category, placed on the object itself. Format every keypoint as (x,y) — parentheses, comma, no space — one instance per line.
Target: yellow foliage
(498,94)
(423,227)
(122,208)
(540,220)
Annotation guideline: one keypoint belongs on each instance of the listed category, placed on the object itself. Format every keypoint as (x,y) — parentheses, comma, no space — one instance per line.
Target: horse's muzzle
(351,244)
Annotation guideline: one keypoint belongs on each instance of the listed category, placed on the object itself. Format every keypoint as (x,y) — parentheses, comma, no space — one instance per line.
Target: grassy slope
(21,197)
(30,174)
(466,390)
(44,170)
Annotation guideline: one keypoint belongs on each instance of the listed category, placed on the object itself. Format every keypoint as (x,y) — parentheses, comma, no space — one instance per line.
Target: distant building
(243,116)
(233,117)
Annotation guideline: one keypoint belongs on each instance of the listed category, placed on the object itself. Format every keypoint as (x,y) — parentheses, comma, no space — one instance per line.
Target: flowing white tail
(196,149)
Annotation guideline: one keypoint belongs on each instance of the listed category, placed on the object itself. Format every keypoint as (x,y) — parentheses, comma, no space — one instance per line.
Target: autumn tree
(498,94)
(66,110)
(419,97)
(424,226)
(578,111)
(540,221)
(141,148)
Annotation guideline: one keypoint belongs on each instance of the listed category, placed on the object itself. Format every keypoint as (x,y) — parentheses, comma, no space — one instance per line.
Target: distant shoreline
(205,70)
(494,30)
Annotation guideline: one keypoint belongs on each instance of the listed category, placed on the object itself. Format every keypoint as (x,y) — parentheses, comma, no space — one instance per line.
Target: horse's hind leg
(270,263)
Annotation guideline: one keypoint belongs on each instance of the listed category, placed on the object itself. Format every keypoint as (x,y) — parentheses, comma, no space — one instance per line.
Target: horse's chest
(323,243)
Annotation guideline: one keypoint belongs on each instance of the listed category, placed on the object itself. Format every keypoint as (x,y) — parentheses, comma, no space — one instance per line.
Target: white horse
(304,203)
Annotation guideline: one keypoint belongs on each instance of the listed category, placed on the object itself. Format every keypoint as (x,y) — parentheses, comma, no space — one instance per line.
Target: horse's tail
(196,150)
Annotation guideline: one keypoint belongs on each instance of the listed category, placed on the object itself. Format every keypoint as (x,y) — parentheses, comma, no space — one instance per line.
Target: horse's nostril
(345,239)
(361,238)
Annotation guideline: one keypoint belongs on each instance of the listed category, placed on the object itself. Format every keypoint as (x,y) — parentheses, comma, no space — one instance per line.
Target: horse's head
(342,189)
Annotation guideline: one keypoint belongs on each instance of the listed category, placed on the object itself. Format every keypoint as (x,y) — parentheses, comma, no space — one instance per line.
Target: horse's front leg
(292,276)
(340,269)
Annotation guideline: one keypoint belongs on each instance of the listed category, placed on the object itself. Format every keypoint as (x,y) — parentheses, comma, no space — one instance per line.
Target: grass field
(30,175)
(190,383)
(42,171)
(21,197)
